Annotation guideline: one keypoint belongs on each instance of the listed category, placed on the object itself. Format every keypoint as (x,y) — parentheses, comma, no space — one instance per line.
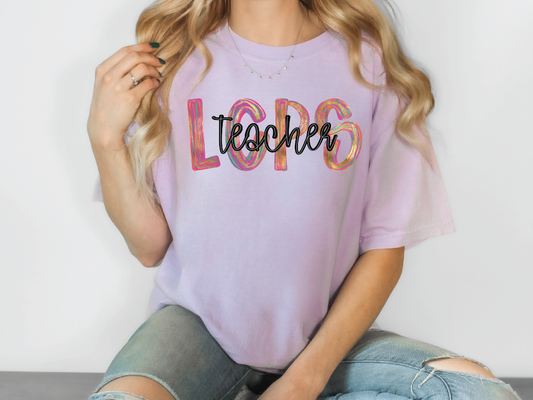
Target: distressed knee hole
(460,365)
(141,386)
(115,395)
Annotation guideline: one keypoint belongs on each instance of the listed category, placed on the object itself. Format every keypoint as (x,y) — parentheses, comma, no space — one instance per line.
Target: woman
(272,157)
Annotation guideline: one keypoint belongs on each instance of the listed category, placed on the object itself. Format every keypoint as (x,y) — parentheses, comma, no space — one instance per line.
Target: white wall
(70,292)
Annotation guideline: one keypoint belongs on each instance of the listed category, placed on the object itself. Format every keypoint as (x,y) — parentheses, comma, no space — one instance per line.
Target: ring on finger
(135,83)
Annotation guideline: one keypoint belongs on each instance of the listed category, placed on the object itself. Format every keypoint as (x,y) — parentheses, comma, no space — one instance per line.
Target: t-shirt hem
(270,370)
(407,239)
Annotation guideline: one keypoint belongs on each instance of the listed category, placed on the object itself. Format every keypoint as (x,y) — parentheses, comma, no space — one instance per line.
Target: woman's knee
(460,364)
(133,387)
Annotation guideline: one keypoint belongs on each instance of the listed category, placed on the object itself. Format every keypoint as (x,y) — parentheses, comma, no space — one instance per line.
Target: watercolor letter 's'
(343,112)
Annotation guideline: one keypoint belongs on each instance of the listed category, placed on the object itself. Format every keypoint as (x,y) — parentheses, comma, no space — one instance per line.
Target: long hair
(180,25)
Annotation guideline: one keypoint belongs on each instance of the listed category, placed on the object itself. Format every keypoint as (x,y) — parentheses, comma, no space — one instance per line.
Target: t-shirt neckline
(261,51)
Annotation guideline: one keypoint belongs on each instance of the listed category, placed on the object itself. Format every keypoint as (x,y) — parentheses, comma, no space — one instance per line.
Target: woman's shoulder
(370,54)
(371,59)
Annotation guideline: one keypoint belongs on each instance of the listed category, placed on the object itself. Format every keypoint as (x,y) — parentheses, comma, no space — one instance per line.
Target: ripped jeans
(174,348)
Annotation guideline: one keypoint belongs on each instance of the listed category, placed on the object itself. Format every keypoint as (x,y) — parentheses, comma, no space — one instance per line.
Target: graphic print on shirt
(232,145)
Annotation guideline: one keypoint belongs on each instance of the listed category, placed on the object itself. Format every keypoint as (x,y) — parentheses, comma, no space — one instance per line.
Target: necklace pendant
(251,70)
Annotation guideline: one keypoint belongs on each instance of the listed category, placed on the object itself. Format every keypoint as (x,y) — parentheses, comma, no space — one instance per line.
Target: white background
(70,292)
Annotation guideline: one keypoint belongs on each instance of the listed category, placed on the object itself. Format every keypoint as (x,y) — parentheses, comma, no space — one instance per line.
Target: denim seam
(121,374)
(240,380)
(378,361)
(495,380)
(438,371)
(435,374)
(449,354)
(404,365)
(445,384)
(482,379)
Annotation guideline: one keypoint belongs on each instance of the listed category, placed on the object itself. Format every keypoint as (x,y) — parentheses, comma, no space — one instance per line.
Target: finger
(144,87)
(131,61)
(140,72)
(112,61)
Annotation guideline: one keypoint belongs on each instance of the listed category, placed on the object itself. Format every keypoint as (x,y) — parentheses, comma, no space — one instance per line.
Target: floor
(78,386)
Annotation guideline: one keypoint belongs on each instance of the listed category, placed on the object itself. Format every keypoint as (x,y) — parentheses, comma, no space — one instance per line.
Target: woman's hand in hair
(115,97)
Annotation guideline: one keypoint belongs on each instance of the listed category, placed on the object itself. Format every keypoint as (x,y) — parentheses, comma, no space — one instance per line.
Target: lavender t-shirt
(263,239)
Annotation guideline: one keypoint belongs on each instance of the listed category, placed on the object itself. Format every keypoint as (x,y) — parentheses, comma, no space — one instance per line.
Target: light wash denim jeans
(174,348)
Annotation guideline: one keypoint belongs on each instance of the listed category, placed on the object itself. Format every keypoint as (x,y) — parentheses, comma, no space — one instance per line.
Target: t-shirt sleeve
(97,189)
(405,200)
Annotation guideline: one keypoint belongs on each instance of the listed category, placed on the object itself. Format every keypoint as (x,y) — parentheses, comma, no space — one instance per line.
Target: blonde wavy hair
(180,25)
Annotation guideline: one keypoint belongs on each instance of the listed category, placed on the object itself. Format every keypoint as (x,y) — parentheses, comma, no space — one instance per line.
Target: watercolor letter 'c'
(257,113)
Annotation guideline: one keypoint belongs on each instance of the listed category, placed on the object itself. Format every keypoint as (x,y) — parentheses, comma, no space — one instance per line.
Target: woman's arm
(359,301)
(142,225)
(114,105)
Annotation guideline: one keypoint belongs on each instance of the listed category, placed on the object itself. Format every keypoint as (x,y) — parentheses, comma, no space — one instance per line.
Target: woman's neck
(273,22)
